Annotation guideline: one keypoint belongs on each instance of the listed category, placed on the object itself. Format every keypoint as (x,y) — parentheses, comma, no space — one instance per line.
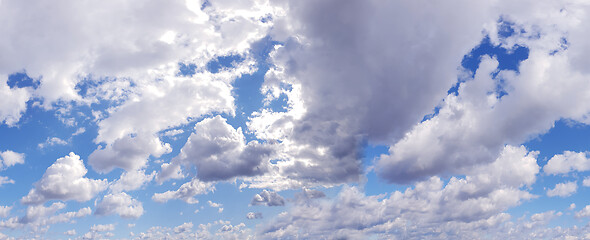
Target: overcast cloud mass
(294,119)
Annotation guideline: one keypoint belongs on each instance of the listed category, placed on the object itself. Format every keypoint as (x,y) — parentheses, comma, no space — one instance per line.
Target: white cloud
(186,192)
(5,211)
(452,209)
(586,182)
(567,162)
(214,204)
(563,189)
(52,141)
(585,212)
(102,228)
(14,102)
(253,215)
(5,180)
(64,180)
(130,153)
(220,152)
(131,181)
(71,232)
(79,131)
(268,198)
(39,217)
(119,203)
(9,158)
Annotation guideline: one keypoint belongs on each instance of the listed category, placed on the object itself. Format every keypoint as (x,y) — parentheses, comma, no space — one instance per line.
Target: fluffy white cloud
(5,211)
(268,198)
(130,153)
(131,181)
(253,215)
(52,141)
(186,192)
(585,212)
(451,209)
(563,189)
(119,203)
(5,180)
(14,102)
(102,227)
(39,217)
(220,152)
(64,180)
(567,162)
(472,126)
(9,158)
(586,182)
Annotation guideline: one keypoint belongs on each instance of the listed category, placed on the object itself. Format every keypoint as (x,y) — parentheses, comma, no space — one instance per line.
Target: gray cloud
(268,198)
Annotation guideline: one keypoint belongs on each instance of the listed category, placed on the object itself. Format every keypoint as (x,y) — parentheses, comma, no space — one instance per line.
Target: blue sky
(294,120)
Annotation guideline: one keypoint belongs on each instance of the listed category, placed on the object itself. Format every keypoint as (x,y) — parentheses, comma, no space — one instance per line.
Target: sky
(294,119)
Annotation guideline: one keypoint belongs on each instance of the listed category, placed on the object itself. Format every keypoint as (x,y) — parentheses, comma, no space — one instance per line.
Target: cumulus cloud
(64,180)
(9,158)
(5,211)
(268,198)
(563,189)
(119,203)
(40,217)
(220,152)
(253,215)
(567,162)
(472,125)
(586,182)
(132,180)
(477,200)
(585,212)
(129,153)
(342,80)
(14,102)
(186,192)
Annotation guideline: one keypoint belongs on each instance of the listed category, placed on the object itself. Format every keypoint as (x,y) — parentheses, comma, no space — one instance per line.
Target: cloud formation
(64,180)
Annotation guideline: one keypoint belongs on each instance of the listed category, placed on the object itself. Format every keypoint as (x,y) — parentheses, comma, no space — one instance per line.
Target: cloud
(40,217)
(64,180)
(563,189)
(9,158)
(52,141)
(253,215)
(71,232)
(131,181)
(567,162)
(119,203)
(452,209)
(186,192)
(14,102)
(102,227)
(585,212)
(130,153)
(5,211)
(343,66)
(268,198)
(220,152)
(586,182)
